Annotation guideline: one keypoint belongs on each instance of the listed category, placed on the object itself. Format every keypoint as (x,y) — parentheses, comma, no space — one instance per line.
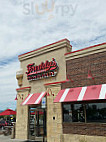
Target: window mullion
(85,112)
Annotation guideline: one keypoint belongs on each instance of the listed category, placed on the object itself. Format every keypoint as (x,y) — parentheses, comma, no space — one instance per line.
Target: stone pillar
(22,117)
(54,117)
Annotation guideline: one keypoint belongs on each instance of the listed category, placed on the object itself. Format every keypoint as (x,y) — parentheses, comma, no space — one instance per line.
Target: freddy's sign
(44,70)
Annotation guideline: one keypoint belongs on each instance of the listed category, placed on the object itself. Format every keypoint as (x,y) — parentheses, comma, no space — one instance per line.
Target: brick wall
(77,70)
(85,129)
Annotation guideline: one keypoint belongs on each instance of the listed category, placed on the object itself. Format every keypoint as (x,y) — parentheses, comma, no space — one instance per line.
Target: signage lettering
(44,70)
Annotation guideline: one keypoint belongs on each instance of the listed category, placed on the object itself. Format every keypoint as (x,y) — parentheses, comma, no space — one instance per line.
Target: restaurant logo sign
(44,70)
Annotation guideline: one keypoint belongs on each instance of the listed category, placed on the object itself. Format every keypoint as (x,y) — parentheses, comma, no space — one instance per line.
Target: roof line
(85,48)
(23,88)
(44,46)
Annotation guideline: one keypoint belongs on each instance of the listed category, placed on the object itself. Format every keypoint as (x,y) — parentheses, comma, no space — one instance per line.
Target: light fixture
(21,96)
(68,79)
(50,92)
(90,75)
(16,98)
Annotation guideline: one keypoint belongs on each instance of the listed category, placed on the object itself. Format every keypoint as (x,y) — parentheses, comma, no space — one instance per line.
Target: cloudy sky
(29,24)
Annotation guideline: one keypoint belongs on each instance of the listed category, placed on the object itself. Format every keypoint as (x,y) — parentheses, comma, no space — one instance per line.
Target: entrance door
(40,127)
(37,123)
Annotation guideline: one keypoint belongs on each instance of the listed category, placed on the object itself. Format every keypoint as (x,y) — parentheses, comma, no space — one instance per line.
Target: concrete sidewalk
(8,139)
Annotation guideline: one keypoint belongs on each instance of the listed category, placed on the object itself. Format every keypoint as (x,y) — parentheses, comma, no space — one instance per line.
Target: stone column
(54,116)
(22,117)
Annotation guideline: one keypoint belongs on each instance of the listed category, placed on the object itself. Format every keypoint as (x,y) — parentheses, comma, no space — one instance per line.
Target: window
(96,112)
(91,112)
(73,113)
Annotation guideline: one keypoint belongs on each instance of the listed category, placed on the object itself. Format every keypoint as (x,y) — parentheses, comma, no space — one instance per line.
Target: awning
(8,112)
(94,92)
(33,98)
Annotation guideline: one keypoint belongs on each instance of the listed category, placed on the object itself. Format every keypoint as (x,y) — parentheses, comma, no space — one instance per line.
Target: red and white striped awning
(94,92)
(33,98)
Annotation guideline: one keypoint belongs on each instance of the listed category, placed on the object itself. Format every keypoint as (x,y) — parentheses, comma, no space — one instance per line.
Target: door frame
(37,128)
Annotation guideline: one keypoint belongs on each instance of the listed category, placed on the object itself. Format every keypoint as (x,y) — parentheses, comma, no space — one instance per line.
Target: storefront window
(73,113)
(96,112)
(92,112)
(66,113)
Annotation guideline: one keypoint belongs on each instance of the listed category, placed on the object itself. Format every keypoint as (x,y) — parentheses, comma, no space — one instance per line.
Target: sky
(26,25)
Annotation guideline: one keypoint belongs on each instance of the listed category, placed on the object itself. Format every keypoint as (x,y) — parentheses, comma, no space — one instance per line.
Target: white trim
(64,95)
(87,51)
(102,92)
(40,96)
(82,93)
(27,99)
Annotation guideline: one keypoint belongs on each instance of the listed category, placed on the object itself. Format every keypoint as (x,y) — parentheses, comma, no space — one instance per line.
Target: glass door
(37,123)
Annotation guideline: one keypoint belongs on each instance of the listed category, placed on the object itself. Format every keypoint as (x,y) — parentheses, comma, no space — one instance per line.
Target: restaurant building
(62,94)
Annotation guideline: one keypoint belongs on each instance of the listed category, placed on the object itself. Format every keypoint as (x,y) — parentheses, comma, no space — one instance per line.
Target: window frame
(84,103)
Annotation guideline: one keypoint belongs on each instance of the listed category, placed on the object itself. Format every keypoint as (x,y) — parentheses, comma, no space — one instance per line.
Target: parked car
(5,123)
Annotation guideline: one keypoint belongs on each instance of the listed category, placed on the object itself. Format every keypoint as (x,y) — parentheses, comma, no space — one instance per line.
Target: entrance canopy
(33,98)
(95,92)
(8,112)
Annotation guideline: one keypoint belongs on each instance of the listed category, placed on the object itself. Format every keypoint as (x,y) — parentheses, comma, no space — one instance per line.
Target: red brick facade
(77,69)
(85,129)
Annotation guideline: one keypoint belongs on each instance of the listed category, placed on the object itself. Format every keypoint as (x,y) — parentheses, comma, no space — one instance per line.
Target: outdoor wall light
(16,98)
(49,90)
(21,96)
(68,79)
(90,75)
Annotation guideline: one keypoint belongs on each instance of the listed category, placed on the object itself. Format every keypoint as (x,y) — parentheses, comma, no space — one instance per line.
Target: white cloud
(23,29)
(8,85)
